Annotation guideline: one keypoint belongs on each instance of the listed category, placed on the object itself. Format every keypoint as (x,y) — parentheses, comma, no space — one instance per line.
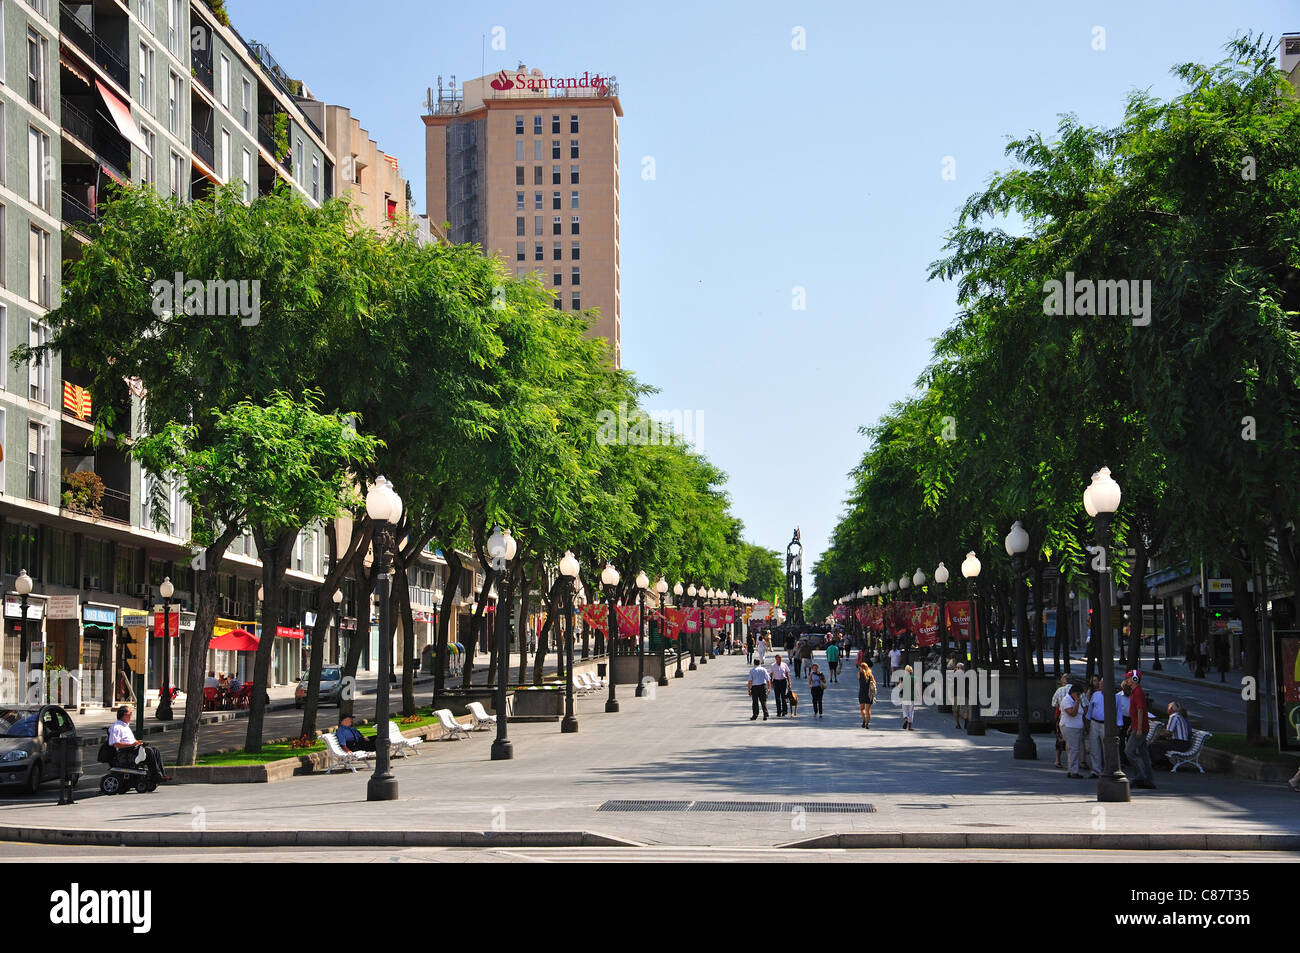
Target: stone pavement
(693,743)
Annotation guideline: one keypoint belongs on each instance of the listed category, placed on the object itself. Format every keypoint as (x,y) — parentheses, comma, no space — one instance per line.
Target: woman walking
(817,686)
(907,695)
(866,692)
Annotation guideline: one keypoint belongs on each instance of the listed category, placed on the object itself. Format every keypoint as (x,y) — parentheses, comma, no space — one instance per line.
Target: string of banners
(689,620)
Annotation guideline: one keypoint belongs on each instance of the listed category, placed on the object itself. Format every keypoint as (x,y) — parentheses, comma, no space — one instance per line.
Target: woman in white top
(1072,728)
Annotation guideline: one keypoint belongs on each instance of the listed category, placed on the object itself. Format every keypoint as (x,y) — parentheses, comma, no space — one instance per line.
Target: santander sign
(522,81)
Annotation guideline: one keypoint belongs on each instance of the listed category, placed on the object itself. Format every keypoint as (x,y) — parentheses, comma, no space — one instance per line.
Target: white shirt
(895,657)
(760,650)
(1121,704)
(758,676)
(780,672)
(120,733)
(1068,720)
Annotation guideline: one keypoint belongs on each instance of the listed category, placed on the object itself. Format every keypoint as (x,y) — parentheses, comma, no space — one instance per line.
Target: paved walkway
(695,743)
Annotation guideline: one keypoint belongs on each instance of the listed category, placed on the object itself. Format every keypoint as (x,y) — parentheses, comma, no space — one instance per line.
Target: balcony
(203,149)
(74,212)
(114,505)
(94,45)
(100,137)
(266,135)
(201,59)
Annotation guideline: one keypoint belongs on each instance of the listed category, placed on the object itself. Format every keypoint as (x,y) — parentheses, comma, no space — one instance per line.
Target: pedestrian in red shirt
(1139,755)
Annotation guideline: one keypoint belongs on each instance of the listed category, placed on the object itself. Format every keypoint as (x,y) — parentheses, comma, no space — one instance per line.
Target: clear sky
(775,168)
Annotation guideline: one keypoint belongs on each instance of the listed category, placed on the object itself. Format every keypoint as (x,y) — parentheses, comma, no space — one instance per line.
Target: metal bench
(1192,755)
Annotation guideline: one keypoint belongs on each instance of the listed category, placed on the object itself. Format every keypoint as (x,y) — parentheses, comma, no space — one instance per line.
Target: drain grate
(741,807)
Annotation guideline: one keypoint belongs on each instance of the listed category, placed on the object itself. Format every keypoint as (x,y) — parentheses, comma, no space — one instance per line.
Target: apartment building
(526,164)
(94,92)
(366,175)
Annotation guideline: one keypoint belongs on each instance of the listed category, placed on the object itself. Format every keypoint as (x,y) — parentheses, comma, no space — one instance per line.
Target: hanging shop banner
(688,619)
(173,619)
(957,615)
(597,617)
(925,623)
(1286,647)
(840,613)
(901,623)
(713,617)
(629,621)
(729,615)
(669,625)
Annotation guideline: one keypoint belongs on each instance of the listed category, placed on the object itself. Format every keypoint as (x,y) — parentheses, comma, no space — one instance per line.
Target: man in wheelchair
(132,753)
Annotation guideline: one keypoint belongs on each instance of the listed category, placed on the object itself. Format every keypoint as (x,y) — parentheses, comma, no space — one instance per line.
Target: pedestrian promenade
(726,781)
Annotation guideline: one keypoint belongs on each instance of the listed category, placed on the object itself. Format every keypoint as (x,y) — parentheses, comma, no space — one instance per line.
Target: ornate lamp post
(661,587)
(681,636)
(384,506)
(1017,544)
(501,548)
(569,570)
(642,582)
(164,712)
(1101,500)
(714,594)
(941,583)
(690,591)
(23,586)
(970,568)
(609,579)
(334,649)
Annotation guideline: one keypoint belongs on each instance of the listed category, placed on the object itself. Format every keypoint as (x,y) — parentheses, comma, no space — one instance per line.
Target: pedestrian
(895,660)
(757,688)
(797,658)
(780,684)
(350,739)
(131,752)
(817,688)
(1057,698)
(1072,728)
(1139,754)
(866,692)
(1122,718)
(760,650)
(1176,737)
(749,648)
(833,661)
(963,711)
(1294,783)
(1095,718)
(907,697)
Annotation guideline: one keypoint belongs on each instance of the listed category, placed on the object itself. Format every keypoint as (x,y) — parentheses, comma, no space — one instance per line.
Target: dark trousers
(758,694)
(779,686)
(1161,748)
(798,665)
(152,759)
(817,699)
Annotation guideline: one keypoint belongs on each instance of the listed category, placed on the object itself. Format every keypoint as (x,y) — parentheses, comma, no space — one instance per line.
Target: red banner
(863,614)
(925,623)
(691,621)
(174,624)
(713,617)
(729,615)
(668,624)
(957,615)
(629,621)
(839,613)
(597,617)
(900,617)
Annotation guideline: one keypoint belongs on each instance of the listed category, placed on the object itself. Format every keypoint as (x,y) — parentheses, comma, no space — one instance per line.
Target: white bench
(450,726)
(482,720)
(1192,755)
(336,757)
(399,744)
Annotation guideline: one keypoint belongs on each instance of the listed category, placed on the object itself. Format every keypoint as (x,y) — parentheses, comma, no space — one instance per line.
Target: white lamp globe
(661,586)
(918,577)
(1017,541)
(379,500)
(1088,503)
(609,575)
(512,545)
(941,574)
(1105,492)
(970,566)
(166,589)
(904,582)
(677,588)
(569,565)
(496,543)
(893,586)
(338,596)
(691,590)
(642,580)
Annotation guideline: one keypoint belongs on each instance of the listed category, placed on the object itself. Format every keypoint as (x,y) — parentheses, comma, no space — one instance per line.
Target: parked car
(331,687)
(25,750)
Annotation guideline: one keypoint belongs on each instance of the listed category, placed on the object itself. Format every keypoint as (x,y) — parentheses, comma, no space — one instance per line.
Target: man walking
(780,685)
(1137,749)
(833,661)
(757,688)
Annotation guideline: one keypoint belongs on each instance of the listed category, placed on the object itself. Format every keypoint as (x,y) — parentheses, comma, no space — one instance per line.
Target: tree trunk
(349,673)
(1137,599)
(1040,606)
(478,621)
(205,617)
(1061,650)
(1243,602)
(455,570)
(274,554)
(402,595)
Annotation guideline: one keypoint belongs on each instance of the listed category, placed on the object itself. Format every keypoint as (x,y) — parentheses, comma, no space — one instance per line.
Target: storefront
(98,628)
(14,634)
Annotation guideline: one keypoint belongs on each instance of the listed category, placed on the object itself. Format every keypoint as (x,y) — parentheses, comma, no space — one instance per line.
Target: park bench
(1192,755)
(399,743)
(336,757)
(482,720)
(450,726)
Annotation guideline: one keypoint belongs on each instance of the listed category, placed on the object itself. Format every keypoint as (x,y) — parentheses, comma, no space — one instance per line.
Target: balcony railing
(203,147)
(101,137)
(114,506)
(93,44)
(74,212)
(202,69)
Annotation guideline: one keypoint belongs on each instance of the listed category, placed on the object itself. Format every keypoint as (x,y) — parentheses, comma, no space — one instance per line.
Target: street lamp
(609,579)
(164,712)
(641,582)
(1101,500)
(941,582)
(23,584)
(661,587)
(580,600)
(501,548)
(677,593)
(338,601)
(970,568)
(569,570)
(713,595)
(690,591)
(1017,544)
(384,507)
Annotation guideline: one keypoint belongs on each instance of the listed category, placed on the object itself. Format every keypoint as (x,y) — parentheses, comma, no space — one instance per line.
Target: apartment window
(557,251)
(519,175)
(519,201)
(537,224)
(575,278)
(555,175)
(519,125)
(315,179)
(174,91)
(555,201)
(38,55)
(537,150)
(538,254)
(555,148)
(555,225)
(573,148)
(573,253)
(555,125)
(144,10)
(146,76)
(2,449)
(247,118)
(21,548)
(38,368)
(574,229)
(537,175)
(148,175)
(175,26)
(38,173)
(4,137)
(557,279)
(519,150)
(298,168)
(225,155)
(38,273)
(38,463)
(4,283)
(573,124)
(573,175)
(177,173)
(537,201)
(537,125)
(520,253)
(4,373)
(223,77)
(519,225)
(576,301)
(248,176)
(573,199)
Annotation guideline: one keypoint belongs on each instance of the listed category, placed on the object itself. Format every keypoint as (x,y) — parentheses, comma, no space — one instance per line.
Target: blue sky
(775,168)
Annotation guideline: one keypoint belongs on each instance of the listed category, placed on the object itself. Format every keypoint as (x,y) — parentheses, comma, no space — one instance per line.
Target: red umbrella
(237,640)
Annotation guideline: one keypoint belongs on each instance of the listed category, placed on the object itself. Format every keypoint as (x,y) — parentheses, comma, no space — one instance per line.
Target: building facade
(526,165)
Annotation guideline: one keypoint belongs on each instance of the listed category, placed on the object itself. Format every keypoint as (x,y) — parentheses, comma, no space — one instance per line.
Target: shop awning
(236,640)
(121,114)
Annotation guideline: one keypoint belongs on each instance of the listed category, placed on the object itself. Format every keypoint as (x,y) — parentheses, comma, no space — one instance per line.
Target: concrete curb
(1007,840)
(119,838)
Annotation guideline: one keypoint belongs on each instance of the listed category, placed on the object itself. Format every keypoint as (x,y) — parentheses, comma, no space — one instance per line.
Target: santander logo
(588,80)
(502,82)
